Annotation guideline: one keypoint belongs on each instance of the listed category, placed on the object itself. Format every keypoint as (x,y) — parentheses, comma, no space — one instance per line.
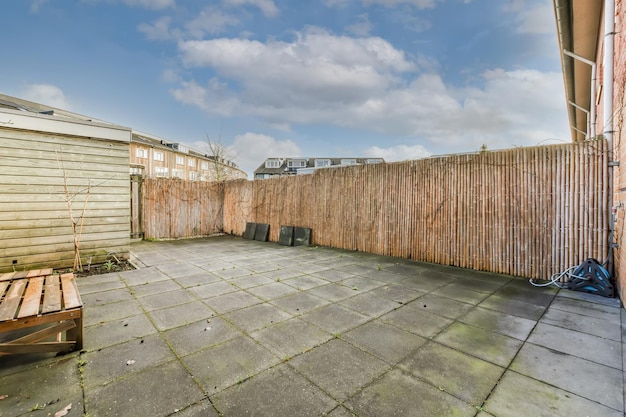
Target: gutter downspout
(591,113)
(609,34)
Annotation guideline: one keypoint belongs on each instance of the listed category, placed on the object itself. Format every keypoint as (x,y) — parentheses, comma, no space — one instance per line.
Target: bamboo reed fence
(526,211)
(174,208)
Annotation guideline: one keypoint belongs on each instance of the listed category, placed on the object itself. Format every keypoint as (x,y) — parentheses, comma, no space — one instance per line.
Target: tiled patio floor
(226,326)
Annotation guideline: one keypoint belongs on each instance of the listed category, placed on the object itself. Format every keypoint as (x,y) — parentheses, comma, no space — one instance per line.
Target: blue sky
(401,79)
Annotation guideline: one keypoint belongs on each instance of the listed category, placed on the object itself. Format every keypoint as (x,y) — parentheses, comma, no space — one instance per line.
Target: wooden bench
(39,307)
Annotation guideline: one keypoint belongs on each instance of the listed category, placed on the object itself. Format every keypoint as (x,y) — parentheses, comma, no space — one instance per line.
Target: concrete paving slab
(197,279)
(587,379)
(399,394)
(369,304)
(340,411)
(516,393)
(586,308)
(222,366)
(461,293)
(290,338)
(106,365)
(118,331)
(363,267)
(334,318)
(339,368)
(305,282)
(230,273)
(282,274)
(416,321)
(407,269)
(200,335)
(334,275)
(490,346)
(480,285)
(500,302)
(110,312)
(144,290)
(526,293)
(582,345)
(202,408)
(495,321)
(299,303)
(257,267)
(334,292)
(593,298)
(116,323)
(44,390)
(451,371)
(143,276)
(424,284)
(145,394)
(179,269)
(397,293)
(382,275)
(168,318)
(251,281)
(309,268)
(232,301)
(272,291)
(258,396)
(384,341)
(363,284)
(257,317)
(441,306)
(90,286)
(106,297)
(212,290)
(213,264)
(166,299)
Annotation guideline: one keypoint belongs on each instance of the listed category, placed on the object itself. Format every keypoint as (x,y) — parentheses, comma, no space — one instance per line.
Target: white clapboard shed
(49,157)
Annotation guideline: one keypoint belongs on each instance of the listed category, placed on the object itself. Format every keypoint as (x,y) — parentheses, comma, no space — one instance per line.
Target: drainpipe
(591,113)
(609,34)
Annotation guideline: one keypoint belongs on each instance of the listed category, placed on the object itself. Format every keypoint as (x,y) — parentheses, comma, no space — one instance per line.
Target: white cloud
(336,3)
(151,4)
(362,27)
(251,149)
(315,69)
(146,4)
(536,18)
(35,5)
(420,4)
(365,83)
(268,7)
(47,94)
(210,20)
(159,30)
(397,153)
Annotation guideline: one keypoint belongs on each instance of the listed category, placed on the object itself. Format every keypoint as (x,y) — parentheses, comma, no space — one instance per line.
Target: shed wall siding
(35,226)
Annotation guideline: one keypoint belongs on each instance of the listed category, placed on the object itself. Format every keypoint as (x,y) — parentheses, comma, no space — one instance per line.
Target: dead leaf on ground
(63,412)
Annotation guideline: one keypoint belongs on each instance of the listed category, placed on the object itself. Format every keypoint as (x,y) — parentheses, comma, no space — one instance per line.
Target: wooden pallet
(41,307)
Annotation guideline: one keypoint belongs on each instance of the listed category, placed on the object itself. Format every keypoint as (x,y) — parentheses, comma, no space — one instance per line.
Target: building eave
(577,24)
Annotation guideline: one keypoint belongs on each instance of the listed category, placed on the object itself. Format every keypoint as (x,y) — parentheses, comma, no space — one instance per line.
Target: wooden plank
(11,303)
(52,295)
(45,333)
(71,296)
(3,286)
(15,348)
(32,297)
(7,276)
(25,323)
